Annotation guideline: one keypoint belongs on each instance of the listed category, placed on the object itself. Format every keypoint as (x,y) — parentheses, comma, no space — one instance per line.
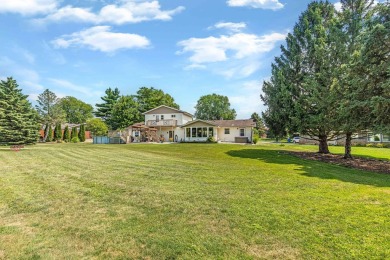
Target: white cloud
(232,27)
(131,11)
(64,84)
(263,4)
(337,6)
(236,54)
(246,98)
(27,7)
(102,39)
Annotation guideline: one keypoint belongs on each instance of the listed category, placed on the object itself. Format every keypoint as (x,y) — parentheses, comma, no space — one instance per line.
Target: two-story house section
(168,122)
(174,125)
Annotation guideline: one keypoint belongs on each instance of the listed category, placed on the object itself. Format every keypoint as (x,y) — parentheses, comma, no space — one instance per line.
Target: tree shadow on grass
(314,168)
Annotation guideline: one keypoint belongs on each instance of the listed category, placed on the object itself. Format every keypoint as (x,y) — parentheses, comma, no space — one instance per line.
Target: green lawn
(368,152)
(187,201)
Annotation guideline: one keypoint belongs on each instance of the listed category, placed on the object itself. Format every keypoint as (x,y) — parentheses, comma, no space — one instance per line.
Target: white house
(174,125)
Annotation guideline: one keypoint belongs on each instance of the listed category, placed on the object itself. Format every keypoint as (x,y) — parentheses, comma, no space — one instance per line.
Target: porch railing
(168,122)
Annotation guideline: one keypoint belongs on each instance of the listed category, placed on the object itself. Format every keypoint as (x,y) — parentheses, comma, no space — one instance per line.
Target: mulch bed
(373,165)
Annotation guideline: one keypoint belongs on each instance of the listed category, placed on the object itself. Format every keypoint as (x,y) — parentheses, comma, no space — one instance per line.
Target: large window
(211,131)
(188,132)
(374,137)
(242,132)
(199,131)
(193,132)
(204,132)
(227,131)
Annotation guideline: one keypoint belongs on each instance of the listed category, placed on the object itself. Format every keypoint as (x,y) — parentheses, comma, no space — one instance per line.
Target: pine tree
(301,94)
(82,133)
(104,109)
(351,115)
(66,136)
(18,120)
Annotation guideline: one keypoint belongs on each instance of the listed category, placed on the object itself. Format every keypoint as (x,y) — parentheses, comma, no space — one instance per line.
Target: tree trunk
(323,144)
(348,144)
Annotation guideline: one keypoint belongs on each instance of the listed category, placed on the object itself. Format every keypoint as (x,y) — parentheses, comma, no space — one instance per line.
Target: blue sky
(188,48)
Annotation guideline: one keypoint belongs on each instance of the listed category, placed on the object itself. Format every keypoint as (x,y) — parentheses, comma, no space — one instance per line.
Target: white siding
(234,132)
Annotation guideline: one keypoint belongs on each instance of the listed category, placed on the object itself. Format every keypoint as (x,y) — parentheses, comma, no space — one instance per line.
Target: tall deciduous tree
(76,111)
(125,112)
(97,127)
(149,98)
(303,77)
(104,109)
(18,120)
(49,110)
(214,107)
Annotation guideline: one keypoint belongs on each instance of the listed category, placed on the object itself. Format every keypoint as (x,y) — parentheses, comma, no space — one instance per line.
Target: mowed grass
(187,201)
(368,152)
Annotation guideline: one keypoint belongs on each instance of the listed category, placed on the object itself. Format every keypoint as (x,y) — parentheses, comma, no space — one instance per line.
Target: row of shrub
(68,136)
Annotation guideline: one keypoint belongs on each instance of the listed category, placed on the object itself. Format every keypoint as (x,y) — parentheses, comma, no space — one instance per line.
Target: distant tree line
(333,74)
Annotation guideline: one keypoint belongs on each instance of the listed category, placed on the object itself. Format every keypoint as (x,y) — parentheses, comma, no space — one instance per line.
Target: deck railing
(168,122)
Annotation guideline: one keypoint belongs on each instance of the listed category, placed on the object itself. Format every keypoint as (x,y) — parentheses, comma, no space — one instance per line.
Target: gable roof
(175,110)
(224,123)
(235,123)
(201,121)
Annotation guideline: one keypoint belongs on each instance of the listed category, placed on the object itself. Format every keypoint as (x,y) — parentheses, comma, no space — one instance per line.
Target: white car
(296,139)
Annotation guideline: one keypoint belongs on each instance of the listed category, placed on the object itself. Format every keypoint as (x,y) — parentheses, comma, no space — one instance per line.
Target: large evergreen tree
(18,120)
(104,109)
(303,77)
(214,107)
(351,115)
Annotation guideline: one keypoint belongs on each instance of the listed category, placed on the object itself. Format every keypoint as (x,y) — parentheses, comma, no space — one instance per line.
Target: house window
(188,132)
(193,132)
(199,131)
(227,131)
(162,117)
(157,118)
(204,134)
(173,116)
(211,131)
(374,137)
(242,132)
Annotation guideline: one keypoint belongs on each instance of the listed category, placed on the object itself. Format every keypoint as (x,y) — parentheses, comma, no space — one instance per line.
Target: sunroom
(199,131)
